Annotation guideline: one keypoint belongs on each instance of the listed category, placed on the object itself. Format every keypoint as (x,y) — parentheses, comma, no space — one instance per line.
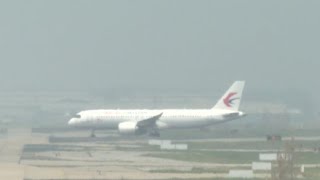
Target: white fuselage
(170,118)
(150,121)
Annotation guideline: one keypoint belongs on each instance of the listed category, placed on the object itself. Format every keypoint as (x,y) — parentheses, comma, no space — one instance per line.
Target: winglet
(232,98)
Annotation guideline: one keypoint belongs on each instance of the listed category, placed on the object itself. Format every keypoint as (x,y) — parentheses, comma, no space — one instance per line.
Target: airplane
(145,121)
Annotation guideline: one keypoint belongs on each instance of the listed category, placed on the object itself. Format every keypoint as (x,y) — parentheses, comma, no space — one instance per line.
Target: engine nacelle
(129,128)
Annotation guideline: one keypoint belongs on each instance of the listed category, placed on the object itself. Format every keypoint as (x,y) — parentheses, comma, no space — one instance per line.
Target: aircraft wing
(150,122)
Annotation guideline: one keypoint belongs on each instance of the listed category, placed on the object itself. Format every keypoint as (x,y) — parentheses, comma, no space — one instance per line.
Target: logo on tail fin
(228,101)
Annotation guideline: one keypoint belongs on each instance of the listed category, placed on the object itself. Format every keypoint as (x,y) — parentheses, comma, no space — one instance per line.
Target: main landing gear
(92,135)
(154,133)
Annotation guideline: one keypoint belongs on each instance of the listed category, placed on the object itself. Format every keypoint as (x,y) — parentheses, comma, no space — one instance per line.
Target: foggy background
(180,46)
(60,57)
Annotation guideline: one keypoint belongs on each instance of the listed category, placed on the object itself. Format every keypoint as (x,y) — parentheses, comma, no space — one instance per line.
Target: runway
(72,155)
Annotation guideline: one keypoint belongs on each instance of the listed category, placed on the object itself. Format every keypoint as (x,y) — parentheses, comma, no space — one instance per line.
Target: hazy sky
(68,45)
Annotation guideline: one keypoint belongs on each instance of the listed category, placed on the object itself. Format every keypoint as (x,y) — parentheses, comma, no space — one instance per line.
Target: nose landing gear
(92,135)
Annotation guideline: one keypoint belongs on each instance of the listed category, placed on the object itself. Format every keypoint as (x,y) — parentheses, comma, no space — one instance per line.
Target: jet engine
(130,127)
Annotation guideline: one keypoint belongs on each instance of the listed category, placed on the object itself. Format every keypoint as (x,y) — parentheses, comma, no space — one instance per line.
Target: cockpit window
(77,116)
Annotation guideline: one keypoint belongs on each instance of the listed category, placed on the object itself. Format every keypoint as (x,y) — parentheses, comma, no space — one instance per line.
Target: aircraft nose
(72,121)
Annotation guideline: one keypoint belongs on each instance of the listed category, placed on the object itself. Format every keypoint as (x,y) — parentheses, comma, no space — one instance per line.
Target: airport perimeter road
(262,139)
